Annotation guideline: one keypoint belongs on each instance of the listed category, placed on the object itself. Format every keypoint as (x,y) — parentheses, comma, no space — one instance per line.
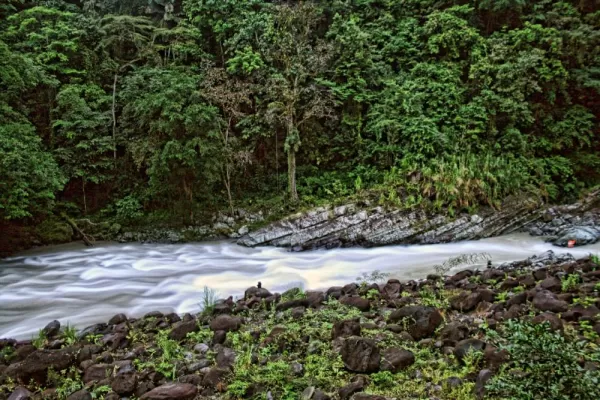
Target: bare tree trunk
(228,186)
(114,115)
(84,198)
(292,175)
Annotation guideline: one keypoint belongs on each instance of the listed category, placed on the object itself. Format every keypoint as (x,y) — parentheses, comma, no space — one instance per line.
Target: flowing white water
(82,286)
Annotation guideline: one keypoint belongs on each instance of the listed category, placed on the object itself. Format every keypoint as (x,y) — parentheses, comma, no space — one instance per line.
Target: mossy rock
(54,231)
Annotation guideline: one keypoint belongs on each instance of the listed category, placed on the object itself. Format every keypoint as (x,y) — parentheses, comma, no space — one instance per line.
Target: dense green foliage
(186,106)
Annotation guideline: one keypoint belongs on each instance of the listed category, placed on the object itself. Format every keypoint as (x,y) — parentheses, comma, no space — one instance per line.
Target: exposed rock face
(360,355)
(351,225)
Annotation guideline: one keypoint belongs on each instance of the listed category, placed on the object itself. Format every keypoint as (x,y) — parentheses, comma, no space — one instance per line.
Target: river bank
(463,336)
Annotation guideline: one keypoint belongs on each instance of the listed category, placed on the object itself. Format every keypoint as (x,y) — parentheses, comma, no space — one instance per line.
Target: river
(82,286)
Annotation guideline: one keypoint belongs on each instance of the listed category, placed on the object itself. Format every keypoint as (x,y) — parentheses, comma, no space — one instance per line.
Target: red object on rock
(571,243)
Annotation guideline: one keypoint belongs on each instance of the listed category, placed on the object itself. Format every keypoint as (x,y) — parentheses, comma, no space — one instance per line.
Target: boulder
(465,301)
(315,298)
(172,391)
(97,372)
(225,358)
(347,328)
(117,319)
(545,300)
(51,329)
(551,283)
(181,329)
(421,321)
(356,301)
(226,323)
(286,305)
(37,363)
(582,235)
(396,359)
(360,354)
(261,293)
(124,383)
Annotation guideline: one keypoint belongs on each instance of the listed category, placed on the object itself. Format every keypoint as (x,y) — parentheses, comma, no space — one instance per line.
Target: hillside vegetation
(172,108)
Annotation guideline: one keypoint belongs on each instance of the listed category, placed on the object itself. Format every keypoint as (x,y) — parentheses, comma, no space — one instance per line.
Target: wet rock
(80,395)
(421,321)
(96,329)
(459,276)
(360,355)
(582,235)
(396,359)
(181,329)
(347,328)
(117,319)
(261,293)
(172,391)
(465,301)
(199,365)
(356,301)
(154,314)
(546,301)
(51,329)
(468,345)
(487,295)
(225,323)
(20,393)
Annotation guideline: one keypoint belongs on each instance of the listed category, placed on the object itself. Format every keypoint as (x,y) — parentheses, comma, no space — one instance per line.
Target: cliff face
(352,225)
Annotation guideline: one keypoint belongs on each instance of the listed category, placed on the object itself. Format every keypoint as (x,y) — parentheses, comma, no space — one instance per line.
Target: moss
(54,231)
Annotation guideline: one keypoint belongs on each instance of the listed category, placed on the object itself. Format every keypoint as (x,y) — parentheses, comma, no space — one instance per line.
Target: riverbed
(82,286)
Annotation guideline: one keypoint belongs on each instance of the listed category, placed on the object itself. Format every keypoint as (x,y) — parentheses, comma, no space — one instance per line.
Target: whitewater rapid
(82,286)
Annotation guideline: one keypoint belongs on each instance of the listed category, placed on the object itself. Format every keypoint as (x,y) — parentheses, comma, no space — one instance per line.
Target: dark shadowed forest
(172,109)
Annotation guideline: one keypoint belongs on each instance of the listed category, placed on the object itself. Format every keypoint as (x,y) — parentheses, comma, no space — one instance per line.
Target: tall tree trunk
(292,175)
(84,197)
(114,115)
(228,186)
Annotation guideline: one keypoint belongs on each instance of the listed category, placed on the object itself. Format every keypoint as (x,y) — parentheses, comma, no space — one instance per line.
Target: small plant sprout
(569,282)
(209,299)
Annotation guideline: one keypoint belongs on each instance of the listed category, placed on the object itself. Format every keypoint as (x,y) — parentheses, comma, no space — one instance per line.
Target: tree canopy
(186,106)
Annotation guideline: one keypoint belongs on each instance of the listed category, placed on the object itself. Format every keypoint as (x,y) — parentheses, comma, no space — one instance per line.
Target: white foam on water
(82,286)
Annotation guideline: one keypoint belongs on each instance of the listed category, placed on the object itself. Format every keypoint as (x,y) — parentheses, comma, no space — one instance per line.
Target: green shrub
(543,364)
(129,209)
(569,282)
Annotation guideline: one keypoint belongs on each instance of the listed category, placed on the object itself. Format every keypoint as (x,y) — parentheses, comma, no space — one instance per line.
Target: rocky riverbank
(369,226)
(521,330)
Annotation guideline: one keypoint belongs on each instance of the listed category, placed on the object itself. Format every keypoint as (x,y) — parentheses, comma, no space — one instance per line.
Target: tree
(233,97)
(82,126)
(125,39)
(295,97)
(172,134)
(30,176)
